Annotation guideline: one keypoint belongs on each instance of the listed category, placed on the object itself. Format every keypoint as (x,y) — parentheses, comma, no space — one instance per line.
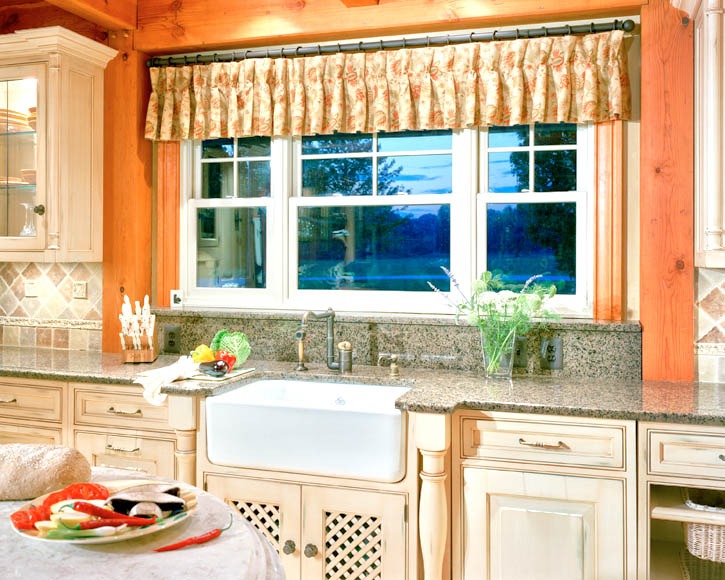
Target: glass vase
(498,355)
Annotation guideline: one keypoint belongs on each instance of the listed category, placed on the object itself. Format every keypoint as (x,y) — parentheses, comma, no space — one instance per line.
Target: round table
(240,552)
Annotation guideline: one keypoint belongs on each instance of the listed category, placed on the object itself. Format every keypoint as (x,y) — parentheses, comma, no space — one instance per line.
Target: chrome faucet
(344,362)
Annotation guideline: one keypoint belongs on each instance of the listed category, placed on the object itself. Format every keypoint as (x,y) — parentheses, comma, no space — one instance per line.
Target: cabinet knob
(39,209)
(721,457)
(289,547)
(310,550)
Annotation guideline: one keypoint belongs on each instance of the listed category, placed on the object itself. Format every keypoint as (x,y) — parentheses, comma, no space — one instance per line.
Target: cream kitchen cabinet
(321,531)
(32,411)
(676,462)
(541,497)
(51,146)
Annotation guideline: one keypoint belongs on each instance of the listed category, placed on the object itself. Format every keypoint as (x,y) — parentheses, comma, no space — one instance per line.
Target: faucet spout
(328,315)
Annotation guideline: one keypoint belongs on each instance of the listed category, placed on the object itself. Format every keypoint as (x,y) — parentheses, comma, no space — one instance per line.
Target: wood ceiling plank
(190,25)
(22,15)
(111,14)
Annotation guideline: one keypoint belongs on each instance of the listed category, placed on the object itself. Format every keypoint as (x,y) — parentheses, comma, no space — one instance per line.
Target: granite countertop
(432,391)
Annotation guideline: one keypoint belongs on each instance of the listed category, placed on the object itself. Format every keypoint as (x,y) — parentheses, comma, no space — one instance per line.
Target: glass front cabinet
(51,146)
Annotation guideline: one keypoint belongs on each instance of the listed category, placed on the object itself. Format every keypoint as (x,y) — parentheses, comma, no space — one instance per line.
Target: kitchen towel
(153,380)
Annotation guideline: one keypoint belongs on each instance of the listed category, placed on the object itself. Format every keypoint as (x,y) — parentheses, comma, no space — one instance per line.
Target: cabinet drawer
(29,401)
(29,434)
(686,454)
(139,453)
(542,442)
(116,409)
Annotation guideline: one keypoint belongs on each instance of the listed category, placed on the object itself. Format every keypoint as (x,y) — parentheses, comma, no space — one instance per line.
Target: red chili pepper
(115,522)
(94,510)
(210,535)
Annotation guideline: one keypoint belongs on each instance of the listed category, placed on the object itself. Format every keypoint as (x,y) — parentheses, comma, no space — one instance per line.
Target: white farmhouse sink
(344,430)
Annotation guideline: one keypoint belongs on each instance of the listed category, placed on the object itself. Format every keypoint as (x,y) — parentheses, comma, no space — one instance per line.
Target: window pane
(555,170)
(338,143)
(414,174)
(217,180)
(508,172)
(254,147)
(337,176)
(216,148)
(516,136)
(231,247)
(527,239)
(374,248)
(254,178)
(415,141)
(555,134)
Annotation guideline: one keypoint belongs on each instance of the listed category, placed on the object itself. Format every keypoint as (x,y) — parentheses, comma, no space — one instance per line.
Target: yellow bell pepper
(202,353)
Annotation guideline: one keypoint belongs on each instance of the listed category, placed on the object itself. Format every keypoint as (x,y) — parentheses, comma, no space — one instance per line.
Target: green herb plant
(500,314)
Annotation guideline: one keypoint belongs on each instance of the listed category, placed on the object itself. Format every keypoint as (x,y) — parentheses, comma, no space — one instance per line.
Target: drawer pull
(113,411)
(12,401)
(560,445)
(110,447)
(722,457)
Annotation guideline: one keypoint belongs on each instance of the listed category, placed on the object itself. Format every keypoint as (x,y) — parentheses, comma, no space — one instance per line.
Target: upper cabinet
(709,130)
(51,146)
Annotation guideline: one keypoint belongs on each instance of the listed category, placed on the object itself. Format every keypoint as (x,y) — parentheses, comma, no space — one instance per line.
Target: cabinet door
(271,507)
(22,158)
(348,533)
(533,526)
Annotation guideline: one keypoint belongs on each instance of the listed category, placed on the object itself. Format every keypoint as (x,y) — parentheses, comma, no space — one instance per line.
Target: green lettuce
(235,343)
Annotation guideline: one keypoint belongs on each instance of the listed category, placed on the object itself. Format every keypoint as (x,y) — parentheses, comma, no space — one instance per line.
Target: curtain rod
(307,50)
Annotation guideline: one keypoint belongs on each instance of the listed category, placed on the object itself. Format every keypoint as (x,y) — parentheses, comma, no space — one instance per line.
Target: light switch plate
(80,290)
(31,289)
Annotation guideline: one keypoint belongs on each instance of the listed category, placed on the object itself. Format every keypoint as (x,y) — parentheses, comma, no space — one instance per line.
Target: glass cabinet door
(21,153)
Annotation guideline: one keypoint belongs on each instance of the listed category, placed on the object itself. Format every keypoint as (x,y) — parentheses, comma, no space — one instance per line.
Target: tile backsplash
(710,325)
(37,307)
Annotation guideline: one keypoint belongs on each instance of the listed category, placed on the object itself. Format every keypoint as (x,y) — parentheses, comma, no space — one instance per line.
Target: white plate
(131,532)
(226,377)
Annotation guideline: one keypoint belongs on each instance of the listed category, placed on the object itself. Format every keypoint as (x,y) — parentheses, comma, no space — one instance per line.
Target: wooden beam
(127,176)
(168,206)
(358,3)
(169,27)
(111,14)
(666,195)
(24,15)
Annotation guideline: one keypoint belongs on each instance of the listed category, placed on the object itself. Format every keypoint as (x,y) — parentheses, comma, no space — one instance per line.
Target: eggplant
(216,368)
(165,496)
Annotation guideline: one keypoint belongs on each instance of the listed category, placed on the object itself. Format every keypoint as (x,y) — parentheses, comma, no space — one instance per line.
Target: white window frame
(468,232)
(581,303)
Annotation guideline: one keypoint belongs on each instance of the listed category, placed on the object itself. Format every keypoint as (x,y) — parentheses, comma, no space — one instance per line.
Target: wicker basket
(693,568)
(706,541)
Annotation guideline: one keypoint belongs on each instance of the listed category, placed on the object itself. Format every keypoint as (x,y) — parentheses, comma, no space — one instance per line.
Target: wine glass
(28,230)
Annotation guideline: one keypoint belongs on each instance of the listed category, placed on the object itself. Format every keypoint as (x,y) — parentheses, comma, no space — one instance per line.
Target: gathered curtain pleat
(570,79)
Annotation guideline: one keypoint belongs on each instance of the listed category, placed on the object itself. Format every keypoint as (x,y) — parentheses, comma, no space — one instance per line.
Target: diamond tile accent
(714,304)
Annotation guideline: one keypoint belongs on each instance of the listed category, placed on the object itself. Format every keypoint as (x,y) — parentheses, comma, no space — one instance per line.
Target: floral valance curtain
(572,79)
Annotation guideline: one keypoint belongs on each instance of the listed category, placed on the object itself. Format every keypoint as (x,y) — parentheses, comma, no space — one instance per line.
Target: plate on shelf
(185,492)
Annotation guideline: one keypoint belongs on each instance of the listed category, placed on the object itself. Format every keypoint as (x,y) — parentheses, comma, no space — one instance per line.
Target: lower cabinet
(520,525)
(320,531)
(14,433)
(538,497)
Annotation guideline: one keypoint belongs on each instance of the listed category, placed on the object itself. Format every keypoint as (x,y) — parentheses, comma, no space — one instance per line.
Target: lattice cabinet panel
(263,516)
(355,534)
(353,546)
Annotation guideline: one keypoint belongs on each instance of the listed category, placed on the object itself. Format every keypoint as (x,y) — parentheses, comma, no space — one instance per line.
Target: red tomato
(85,490)
(25,519)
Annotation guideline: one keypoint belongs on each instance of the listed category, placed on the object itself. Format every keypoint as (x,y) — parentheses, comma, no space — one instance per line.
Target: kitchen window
(362,222)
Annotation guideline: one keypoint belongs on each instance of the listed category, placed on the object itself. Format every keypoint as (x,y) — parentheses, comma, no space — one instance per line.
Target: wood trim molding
(667,273)
(609,207)
(168,206)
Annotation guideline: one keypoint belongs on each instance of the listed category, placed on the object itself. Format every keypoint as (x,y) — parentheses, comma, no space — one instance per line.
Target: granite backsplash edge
(591,349)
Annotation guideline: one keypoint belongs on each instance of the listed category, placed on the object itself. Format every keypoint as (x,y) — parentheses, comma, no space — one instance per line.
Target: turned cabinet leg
(186,456)
(432,437)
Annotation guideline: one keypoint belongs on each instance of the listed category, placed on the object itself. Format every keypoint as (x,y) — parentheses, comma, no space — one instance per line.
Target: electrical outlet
(31,289)
(521,359)
(172,338)
(552,355)
(80,290)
